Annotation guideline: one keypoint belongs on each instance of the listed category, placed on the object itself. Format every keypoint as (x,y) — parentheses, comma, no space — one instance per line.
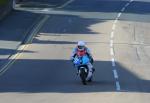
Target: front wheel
(83,76)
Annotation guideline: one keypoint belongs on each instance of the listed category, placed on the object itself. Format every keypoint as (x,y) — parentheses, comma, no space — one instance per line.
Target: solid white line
(112,34)
(115,74)
(117,86)
(113,62)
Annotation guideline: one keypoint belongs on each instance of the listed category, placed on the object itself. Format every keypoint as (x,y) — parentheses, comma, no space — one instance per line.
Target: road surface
(116,31)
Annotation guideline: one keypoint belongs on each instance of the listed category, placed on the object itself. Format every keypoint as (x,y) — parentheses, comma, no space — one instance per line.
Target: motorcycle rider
(81,50)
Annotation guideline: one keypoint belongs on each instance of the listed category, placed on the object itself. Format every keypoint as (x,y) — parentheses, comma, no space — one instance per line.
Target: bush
(3,2)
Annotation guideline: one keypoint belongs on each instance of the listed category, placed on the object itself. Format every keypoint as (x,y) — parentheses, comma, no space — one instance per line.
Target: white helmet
(81,45)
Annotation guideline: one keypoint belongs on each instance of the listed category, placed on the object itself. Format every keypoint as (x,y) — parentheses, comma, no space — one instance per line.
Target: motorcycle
(83,70)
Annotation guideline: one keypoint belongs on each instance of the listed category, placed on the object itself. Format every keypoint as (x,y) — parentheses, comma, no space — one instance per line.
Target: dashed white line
(113,62)
(115,74)
(112,35)
(111,43)
(114,27)
(131,1)
(123,9)
(117,86)
(112,48)
(115,21)
(112,51)
(127,4)
(119,15)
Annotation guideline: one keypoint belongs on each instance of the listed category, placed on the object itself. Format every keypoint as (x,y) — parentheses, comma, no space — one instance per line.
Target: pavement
(117,32)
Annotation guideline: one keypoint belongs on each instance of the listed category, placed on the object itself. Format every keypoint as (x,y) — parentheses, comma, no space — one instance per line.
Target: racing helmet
(81,45)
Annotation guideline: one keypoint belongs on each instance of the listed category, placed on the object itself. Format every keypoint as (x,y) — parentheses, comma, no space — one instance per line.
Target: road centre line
(112,51)
(111,43)
(118,88)
(119,15)
(115,21)
(113,62)
(114,27)
(123,9)
(115,74)
(127,4)
(112,35)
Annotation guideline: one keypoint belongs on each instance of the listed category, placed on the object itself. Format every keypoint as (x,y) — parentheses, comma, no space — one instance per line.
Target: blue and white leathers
(84,60)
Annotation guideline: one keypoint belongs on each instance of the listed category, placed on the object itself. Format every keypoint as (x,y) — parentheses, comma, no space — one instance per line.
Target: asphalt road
(116,31)
(13,30)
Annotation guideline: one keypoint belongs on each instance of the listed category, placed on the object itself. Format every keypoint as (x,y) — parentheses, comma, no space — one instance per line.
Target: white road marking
(115,74)
(112,51)
(117,86)
(112,35)
(131,1)
(115,21)
(119,15)
(114,27)
(123,9)
(70,1)
(111,43)
(127,4)
(113,62)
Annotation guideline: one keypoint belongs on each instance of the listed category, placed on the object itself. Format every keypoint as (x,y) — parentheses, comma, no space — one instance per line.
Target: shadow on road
(34,76)
(59,76)
(138,7)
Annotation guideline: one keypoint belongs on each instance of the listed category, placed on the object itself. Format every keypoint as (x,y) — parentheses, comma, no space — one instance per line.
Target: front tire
(83,76)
